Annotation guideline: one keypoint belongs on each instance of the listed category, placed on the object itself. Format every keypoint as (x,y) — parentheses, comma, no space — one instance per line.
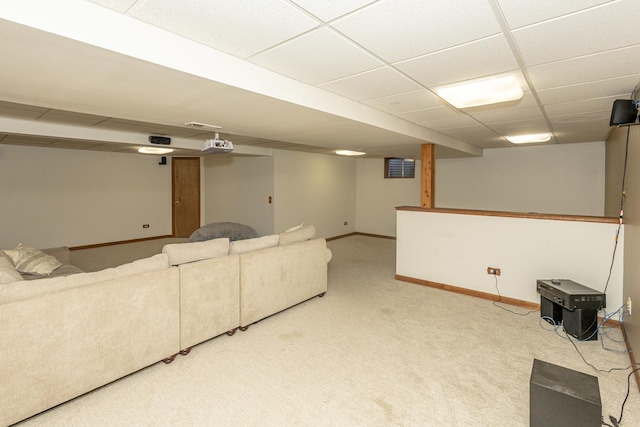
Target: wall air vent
(198,125)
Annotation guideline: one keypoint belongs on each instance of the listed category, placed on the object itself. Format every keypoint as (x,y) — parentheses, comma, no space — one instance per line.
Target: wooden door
(185,176)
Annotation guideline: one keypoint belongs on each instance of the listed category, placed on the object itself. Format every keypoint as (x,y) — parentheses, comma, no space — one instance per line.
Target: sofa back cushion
(182,253)
(248,245)
(300,234)
(8,273)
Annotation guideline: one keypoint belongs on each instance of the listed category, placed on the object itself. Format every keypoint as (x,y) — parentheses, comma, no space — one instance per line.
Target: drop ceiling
(311,75)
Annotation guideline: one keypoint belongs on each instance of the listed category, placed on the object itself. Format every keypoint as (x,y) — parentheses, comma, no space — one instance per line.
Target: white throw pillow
(8,273)
(30,260)
(297,227)
(307,232)
(249,245)
(182,253)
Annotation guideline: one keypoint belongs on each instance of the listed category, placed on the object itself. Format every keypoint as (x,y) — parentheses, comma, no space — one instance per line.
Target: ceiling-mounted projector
(217,145)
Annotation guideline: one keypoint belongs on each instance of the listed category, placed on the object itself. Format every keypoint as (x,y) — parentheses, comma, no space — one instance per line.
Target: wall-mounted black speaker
(624,112)
(164,140)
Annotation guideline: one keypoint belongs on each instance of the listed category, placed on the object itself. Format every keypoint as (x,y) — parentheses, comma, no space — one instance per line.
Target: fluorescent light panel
(155,150)
(530,138)
(481,92)
(349,153)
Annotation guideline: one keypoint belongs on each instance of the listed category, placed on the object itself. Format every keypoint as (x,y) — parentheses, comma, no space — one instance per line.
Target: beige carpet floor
(373,352)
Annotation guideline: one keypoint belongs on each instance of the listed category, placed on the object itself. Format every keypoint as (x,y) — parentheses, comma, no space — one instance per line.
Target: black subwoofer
(561,397)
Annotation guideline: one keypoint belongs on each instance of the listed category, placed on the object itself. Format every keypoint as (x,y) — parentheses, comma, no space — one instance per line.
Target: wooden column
(428,193)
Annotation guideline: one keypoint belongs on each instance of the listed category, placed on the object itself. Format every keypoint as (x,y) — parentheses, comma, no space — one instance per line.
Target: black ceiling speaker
(164,140)
(624,112)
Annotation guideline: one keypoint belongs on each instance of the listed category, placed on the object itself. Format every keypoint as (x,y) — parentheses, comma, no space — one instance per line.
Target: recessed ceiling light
(481,92)
(530,138)
(154,150)
(350,153)
(201,125)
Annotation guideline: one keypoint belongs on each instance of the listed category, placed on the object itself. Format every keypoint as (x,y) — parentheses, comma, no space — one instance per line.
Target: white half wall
(456,249)
(237,189)
(557,179)
(377,197)
(316,189)
(63,197)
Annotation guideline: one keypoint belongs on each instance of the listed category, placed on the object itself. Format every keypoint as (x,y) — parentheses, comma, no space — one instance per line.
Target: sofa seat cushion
(182,253)
(24,289)
(29,260)
(62,271)
(248,245)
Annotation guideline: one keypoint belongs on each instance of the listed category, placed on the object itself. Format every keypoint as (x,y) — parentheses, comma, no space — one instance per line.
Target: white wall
(558,179)
(237,189)
(51,197)
(314,189)
(377,197)
(615,165)
(456,249)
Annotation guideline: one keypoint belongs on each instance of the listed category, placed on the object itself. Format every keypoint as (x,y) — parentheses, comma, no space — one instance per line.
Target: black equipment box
(561,397)
(571,295)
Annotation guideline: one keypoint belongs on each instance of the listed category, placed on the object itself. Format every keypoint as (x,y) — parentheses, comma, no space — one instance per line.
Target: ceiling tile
(580,107)
(402,29)
(240,27)
(488,56)
(586,69)
(579,34)
(527,101)
(447,123)
(589,119)
(475,134)
(328,10)
(317,57)
(410,101)
(519,127)
(572,136)
(372,84)
(430,114)
(581,127)
(509,115)
(622,86)
(119,5)
(524,12)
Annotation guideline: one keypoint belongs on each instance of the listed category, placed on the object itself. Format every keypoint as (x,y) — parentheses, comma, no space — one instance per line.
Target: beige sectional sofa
(64,336)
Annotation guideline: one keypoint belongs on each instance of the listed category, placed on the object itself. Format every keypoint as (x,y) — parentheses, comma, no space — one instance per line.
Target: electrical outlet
(493,270)
(145,225)
(629,305)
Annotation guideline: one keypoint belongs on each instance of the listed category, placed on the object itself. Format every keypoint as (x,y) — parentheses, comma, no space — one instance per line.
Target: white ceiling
(315,75)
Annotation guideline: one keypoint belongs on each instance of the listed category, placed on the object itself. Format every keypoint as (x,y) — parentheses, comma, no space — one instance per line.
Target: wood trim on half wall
(120,242)
(484,295)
